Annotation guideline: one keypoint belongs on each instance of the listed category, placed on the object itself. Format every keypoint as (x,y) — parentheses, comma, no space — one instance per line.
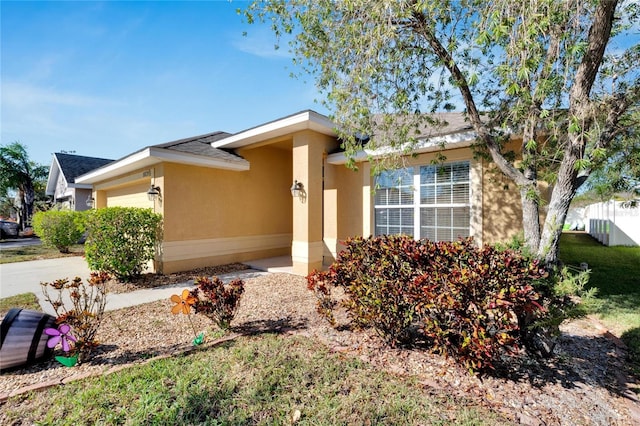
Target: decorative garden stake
(183,304)
(199,339)
(62,335)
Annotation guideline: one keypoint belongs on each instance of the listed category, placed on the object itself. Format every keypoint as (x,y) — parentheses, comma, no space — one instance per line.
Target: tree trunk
(580,113)
(563,192)
(530,218)
(29,198)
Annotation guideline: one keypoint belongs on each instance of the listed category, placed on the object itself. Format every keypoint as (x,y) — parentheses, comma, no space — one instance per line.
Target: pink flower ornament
(62,334)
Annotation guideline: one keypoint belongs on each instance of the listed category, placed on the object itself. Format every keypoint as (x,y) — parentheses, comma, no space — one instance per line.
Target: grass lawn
(24,301)
(36,252)
(262,380)
(616,273)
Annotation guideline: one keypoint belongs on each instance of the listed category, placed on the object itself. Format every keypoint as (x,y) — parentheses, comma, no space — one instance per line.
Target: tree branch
(587,71)
(422,27)
(618,106)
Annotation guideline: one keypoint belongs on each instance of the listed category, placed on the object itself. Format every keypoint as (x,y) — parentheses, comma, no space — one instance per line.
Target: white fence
(613,224)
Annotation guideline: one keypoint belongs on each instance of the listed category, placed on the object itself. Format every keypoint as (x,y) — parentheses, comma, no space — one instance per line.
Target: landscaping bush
(563,295)
(121,240)
(472,300)
(85,314)
(59,228)
(469,302)
(374,273)
(217,301)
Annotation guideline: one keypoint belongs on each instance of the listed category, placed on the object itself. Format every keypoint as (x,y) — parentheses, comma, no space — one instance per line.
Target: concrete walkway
(25,277)
(124,300)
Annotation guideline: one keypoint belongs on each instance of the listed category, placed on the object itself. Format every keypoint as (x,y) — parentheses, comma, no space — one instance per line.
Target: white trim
(52,184)
(132,162)
(330,247)
(451,141)
(308,120)
(195,249)
(477,192)
(154,155)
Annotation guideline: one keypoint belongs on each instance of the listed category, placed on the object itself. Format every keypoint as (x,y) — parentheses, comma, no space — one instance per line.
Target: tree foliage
(619,176)
(18,173)
(561,74)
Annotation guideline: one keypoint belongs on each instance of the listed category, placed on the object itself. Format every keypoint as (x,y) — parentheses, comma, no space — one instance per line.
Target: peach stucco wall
(216,216)
(343,213)
(501,207)
(309,153)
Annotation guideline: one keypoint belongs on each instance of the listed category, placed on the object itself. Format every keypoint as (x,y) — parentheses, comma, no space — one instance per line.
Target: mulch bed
(150,280)
(585,384)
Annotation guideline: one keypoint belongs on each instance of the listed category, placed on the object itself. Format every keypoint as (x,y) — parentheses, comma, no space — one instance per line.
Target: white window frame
(417,205)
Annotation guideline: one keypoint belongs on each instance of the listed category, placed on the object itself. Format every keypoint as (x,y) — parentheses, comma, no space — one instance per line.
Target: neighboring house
(228,198)
(62,185)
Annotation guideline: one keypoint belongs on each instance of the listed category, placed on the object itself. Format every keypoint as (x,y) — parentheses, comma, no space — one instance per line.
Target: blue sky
(105,79)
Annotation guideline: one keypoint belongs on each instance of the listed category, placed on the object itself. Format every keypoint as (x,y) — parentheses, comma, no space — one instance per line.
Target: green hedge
(59,228)
(122,240)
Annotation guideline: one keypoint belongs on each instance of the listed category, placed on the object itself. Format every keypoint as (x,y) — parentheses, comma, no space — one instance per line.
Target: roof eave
(153,155)
(307,120)
(436,143)
(52,179)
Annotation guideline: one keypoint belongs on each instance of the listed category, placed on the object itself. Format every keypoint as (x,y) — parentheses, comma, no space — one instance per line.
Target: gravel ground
(584,384)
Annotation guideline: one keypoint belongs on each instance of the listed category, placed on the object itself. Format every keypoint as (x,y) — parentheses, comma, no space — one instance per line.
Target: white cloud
(25,96)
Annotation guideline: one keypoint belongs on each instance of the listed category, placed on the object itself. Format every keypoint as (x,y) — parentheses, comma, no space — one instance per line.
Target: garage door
(130,196)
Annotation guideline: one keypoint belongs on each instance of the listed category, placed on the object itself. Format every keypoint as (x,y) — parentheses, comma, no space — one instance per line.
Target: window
(424,202)
(395,197)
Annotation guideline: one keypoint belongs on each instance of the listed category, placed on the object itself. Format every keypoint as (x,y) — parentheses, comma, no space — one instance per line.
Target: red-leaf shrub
(216,300)
(317,282)
(469,301)
(374,273)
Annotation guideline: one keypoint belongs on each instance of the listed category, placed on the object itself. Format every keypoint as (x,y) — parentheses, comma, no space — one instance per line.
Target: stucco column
(307,246)
(99,199)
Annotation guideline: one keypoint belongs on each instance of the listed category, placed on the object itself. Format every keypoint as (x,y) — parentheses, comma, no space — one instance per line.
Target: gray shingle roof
(73,166)
(201,145)
(446,124)
(438,124)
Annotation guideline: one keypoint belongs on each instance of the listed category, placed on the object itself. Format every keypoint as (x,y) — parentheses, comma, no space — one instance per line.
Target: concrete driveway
(25,277)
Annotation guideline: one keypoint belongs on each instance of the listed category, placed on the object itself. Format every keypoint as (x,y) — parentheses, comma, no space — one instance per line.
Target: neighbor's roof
(195,150)
(71,166)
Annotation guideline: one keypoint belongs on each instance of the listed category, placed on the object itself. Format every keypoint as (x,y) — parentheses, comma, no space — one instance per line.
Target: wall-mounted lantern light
(90,201)
(153,193)
(297,189)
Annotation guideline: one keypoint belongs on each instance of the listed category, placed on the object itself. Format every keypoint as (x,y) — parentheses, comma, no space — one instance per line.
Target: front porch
(280,264)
